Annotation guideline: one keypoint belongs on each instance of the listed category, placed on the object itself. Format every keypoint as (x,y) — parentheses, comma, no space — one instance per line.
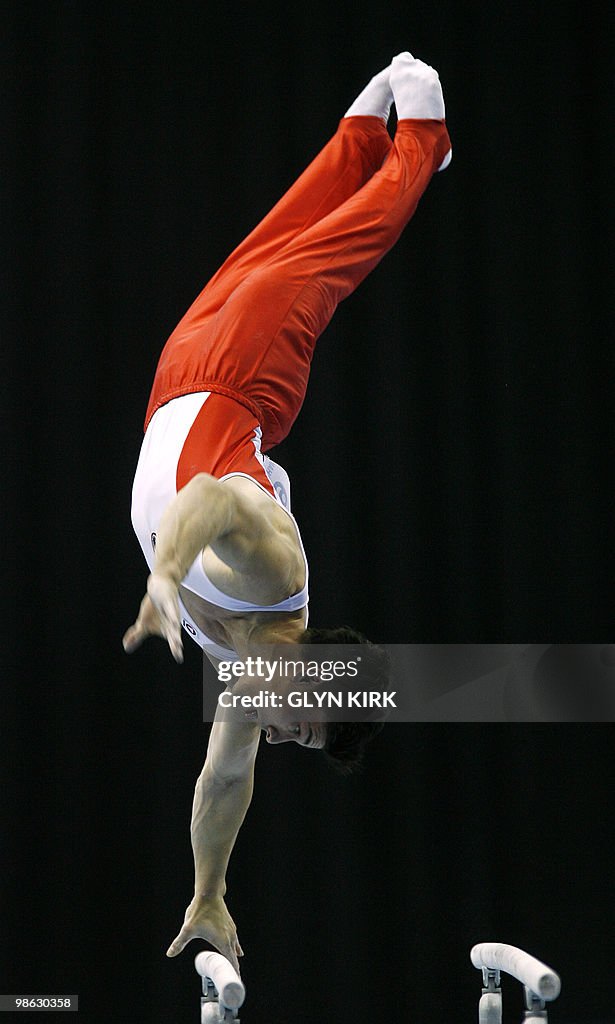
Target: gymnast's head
(342,742)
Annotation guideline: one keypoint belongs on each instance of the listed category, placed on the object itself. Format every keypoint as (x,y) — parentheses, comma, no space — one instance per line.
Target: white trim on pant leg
(446,161)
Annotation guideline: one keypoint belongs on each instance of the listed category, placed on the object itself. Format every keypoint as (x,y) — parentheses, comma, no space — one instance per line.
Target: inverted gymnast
(210,509)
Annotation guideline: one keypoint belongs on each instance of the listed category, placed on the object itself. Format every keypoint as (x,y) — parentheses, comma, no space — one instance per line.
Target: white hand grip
(230,988)
(490,1009)
(498,956)
(211,1013)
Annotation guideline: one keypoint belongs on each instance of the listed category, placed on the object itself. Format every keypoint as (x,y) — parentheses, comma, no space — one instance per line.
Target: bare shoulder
(263,543)
(252,497)
(259,517)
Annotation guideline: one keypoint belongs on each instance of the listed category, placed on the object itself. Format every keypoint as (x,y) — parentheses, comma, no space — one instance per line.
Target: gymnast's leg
(190,359)
(252,331)
(342,248)
(289,301)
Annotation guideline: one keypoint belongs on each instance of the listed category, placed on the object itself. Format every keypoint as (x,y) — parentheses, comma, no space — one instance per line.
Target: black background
(452,475)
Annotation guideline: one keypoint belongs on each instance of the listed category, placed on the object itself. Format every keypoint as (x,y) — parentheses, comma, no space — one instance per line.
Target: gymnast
(210,509)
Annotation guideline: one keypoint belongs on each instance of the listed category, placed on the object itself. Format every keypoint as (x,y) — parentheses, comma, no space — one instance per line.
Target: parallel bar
(230,988)
(498,956)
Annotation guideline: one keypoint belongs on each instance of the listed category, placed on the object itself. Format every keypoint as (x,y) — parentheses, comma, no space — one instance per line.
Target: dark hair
(345,744)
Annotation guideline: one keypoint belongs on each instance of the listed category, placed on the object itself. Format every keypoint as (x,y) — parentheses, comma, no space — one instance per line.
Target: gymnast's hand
(207,918)
(158,616)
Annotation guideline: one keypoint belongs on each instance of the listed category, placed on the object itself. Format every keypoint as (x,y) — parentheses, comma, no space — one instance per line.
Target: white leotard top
(155,486)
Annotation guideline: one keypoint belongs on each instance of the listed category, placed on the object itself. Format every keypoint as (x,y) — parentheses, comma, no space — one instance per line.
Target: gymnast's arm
(198,514)
(221,800)
(206,511)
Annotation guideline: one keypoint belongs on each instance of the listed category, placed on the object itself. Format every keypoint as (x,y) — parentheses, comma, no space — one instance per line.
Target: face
(282,724)
(306,734)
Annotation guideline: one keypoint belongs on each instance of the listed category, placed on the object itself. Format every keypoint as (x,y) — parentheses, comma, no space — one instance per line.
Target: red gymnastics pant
(250,334)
